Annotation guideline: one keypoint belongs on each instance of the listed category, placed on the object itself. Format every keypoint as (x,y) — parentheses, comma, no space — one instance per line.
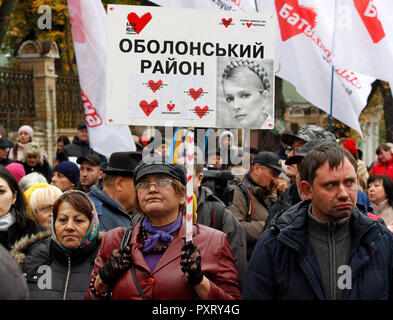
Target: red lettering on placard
(369,15)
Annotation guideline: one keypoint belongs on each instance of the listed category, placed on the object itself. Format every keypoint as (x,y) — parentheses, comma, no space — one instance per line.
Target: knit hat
(68,169)
(28,194)
(17,170)
(350,145)
(27,129)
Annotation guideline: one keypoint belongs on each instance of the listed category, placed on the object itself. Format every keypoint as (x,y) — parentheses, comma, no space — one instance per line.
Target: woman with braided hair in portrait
(246,90)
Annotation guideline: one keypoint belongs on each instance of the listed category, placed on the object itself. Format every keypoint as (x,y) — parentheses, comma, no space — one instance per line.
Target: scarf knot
(162,235)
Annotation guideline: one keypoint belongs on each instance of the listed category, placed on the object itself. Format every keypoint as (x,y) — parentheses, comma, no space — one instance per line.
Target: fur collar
(18,251)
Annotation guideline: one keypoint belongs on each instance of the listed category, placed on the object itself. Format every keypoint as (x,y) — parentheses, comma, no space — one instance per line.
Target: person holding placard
(163,266)
(246,90)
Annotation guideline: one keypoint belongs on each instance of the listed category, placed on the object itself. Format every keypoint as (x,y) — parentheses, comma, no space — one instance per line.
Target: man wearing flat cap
(4,148)
(253,196)
(116,201)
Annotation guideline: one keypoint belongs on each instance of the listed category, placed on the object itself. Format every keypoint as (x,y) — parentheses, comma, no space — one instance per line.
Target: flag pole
(332,80)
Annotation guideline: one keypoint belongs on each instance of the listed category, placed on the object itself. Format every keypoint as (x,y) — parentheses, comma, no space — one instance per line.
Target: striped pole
(189,184)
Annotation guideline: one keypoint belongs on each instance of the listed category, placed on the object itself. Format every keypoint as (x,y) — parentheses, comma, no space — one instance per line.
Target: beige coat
(385,211)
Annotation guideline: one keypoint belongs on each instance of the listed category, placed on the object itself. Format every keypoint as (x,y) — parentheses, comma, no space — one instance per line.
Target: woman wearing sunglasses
(157,263)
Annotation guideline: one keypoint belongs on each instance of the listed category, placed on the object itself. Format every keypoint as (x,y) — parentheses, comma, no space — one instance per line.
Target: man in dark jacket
(80,144)
(4,149)
(116,200)
(295,143)
(323,247)
(211,212)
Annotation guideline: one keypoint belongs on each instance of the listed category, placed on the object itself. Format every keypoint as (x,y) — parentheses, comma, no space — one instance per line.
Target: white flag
(304,58)
(364,37)
(88,24)
(228,5)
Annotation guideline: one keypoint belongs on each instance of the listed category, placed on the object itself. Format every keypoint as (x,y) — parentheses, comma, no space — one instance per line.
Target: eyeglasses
(159,184)
(45,209)
(289,149)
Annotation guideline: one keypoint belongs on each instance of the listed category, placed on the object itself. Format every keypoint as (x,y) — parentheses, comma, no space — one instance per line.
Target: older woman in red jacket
(157,263)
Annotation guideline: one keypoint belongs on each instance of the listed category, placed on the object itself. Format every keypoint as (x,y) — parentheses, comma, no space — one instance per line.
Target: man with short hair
(90,172)
(323,247)
(80,144)
(116,201)
(385,161)
(253,196)
(306,133)
(65,176)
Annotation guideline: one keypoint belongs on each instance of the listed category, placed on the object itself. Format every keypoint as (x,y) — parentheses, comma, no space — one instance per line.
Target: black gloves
(118,262)
(190,261)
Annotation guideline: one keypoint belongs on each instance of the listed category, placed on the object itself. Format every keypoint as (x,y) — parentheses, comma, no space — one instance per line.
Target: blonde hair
(42,195)
(32,149)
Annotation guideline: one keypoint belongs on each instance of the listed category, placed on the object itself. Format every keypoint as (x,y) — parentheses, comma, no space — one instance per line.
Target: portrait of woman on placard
(247,95)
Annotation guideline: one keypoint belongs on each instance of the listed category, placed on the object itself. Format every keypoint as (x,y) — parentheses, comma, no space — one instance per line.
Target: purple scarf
(164,235)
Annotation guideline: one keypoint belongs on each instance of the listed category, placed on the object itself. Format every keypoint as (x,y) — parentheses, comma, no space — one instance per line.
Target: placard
(190,67)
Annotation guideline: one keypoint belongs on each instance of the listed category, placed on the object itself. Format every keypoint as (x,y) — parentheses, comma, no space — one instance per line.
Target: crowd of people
(288,225)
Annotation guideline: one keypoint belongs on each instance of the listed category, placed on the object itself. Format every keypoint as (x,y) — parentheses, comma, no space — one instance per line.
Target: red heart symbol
(201,112)
(138,23)
(249,24)
(190,139)
(189,217)
(170,106)
(155,85)
(190,157)
(189,199)
(226,22)
(195,94)
(287,29)
(148,108)
(189,178)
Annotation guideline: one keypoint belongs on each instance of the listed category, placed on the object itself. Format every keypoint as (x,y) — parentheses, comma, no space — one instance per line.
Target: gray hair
(30,179)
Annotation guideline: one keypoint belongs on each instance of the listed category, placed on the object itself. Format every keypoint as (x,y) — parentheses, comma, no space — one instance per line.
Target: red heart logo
(190,139)
(189,199)
(190,157)
(289,26)
(201,112)
(226,22)
(195,94)
(155,85)
(148,108)
(189,178)
(249,24)
(170,106)
(138,23)
(189,217)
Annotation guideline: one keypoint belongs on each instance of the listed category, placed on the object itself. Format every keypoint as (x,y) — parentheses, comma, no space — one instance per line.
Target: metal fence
(68,102)
(16,98)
